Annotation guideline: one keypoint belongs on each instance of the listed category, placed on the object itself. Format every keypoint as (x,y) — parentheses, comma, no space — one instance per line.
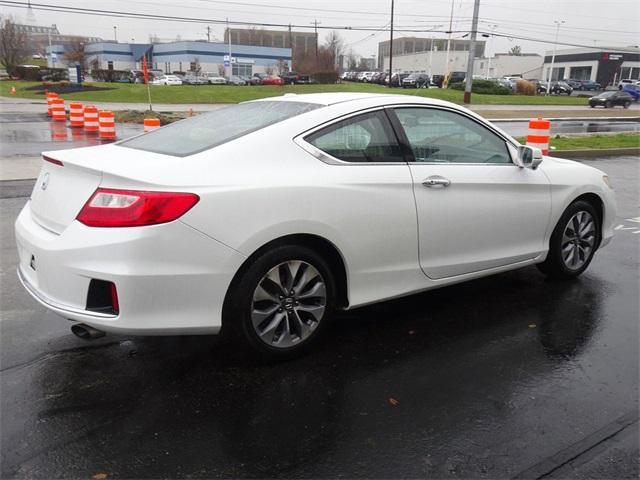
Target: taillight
(52,160)
(132,208)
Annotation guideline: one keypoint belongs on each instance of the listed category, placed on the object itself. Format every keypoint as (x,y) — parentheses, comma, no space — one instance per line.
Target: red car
(272,80)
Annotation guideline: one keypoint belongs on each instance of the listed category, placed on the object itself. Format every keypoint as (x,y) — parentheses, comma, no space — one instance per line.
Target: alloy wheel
(288,304)
(578,240)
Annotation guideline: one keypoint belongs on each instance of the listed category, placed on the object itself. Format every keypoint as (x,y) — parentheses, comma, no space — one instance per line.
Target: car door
(476,209)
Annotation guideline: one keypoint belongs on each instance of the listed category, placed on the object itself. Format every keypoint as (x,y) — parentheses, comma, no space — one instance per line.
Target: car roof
(342,97)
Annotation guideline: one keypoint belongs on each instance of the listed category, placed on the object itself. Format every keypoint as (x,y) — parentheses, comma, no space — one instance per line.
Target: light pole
(115,34)
(449,32)
(493,28)
(391,50)
(553,57)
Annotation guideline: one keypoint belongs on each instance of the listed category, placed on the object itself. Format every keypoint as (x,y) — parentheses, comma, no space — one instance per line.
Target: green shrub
(483,86)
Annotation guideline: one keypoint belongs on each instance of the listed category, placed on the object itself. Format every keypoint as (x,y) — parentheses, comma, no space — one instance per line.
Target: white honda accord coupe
(263,218)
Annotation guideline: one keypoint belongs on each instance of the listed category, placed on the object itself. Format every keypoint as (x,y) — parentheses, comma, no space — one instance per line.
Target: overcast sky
(587,22)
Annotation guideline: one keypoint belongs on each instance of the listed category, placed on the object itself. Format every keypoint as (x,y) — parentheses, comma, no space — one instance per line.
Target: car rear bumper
(171,279)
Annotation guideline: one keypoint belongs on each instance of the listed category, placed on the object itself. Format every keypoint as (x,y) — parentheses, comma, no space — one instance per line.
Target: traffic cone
(13,90)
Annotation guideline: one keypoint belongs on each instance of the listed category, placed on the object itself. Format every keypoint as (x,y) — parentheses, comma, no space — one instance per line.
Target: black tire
(592,106)
(627,104)
(237,318)
(554,266)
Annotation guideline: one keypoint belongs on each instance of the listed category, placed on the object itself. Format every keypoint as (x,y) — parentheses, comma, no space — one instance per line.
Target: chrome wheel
(288,304)
(578,240)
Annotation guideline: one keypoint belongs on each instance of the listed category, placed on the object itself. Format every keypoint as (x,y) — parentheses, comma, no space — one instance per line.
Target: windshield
(607,94)
(211,129)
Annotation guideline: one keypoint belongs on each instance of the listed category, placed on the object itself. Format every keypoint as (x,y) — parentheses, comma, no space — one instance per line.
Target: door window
(365,138)
(442,136)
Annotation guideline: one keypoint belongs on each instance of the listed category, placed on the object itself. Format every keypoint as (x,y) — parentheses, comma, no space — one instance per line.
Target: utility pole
(472,52)
(433,44)
(229,46)
(315,27)
(50,65)
(115,34)
(391,49)
(449,32)
(553,57)
(208,33)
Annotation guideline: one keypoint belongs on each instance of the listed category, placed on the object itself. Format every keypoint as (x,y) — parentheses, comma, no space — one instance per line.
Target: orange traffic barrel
(57,110)
(90,118)
(50,97)
(76,115)
(539,133)
(107,124)
(151,124)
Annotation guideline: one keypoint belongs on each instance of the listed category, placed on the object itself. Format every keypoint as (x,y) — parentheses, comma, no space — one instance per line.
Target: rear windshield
(211,129)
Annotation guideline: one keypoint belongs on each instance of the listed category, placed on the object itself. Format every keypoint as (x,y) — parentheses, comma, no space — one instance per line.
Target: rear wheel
(573,242)
(282,302)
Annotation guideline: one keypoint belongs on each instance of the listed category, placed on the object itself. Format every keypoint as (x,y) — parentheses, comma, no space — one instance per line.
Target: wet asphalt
(507,376)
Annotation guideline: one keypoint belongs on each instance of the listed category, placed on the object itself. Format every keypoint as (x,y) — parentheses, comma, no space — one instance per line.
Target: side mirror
(528,157)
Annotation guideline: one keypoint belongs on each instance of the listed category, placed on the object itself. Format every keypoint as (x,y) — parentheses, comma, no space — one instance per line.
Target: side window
(364,138)
(441,136)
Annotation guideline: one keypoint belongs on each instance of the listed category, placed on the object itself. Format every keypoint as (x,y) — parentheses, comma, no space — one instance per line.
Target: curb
(570,119)
(596,153)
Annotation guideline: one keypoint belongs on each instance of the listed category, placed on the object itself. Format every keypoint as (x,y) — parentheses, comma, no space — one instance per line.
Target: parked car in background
(215,79)
(366,78)
(437,80)
(272,80)
(561,88)
(415,80)
(590,85)
(167,80)
(235,80)
(541,87)
(193,79)
(573,83)
(458,77)
(136,76)
(626,81)
(289,78)
(611,99)
(382,78)
(633,90)
(259,77)
(396,79)
(305,80)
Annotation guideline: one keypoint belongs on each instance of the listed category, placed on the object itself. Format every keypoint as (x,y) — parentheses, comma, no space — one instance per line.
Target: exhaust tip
(86,332)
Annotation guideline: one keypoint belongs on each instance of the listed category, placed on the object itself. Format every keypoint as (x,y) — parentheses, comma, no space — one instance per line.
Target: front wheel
(573,242)
(627,104)
(282,302)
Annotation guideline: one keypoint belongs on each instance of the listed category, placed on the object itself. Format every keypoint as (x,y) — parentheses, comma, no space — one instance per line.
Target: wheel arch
(323,247)
(596,202)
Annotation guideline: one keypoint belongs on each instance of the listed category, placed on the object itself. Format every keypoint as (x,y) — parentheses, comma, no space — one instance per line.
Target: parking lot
(506,376)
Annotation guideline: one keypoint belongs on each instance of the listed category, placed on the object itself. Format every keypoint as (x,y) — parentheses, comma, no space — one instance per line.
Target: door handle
(436,181)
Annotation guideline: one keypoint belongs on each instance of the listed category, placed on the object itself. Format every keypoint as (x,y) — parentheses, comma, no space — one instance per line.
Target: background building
(187,56)
(39,37)
(605,66)
(414,54)
(525,65)
(302,41)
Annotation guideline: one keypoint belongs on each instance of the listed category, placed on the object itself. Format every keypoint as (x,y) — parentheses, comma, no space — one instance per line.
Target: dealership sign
(612,56)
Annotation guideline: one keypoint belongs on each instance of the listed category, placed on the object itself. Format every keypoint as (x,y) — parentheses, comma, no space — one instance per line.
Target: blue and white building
(186,56)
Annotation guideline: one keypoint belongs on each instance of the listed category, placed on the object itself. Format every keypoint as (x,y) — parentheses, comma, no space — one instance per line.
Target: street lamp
(553,57)
(493,28)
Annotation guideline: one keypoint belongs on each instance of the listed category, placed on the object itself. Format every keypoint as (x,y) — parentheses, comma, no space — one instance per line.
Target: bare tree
(515,50)
(13,45)
(221,70)
(75,53)
(269,69)
(334,44)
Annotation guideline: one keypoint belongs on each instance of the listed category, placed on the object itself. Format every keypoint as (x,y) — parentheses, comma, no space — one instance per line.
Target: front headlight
(607,181)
